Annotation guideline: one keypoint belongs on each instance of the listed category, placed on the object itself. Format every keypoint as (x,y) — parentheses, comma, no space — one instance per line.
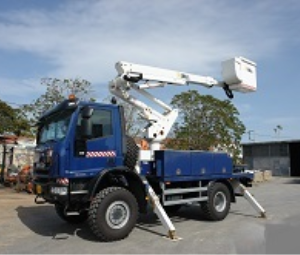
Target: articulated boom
(239,74)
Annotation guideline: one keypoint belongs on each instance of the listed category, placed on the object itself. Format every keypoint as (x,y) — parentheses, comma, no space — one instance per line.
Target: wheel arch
(122,177)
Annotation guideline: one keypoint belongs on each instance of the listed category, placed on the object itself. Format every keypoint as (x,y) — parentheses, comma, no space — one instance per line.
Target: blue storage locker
(202,163)
(223,163)
(172,163)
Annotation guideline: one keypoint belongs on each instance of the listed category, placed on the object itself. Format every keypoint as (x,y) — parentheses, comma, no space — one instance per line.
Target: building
(281,157)
(17,151)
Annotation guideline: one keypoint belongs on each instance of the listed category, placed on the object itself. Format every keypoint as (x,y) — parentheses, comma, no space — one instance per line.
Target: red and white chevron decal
(64,181)
(99,154)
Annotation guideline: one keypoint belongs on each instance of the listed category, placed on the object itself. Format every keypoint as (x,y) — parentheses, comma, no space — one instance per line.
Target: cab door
(100,150)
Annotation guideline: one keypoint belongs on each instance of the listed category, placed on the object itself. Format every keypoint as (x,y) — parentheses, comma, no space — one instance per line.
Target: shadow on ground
(43,220)
(292,181)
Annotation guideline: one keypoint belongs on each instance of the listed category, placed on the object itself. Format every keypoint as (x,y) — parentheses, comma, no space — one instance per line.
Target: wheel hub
(117,214)
(220,201)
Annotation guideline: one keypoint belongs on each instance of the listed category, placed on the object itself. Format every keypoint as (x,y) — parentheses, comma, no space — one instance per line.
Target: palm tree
(278,129)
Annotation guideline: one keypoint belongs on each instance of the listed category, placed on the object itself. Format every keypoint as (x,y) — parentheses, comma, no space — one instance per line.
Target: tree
(278,129)
(11,120)
(56,91)
(206,122)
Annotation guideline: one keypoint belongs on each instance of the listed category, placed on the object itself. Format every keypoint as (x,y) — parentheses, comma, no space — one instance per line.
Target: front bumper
(60,191)
(51,191)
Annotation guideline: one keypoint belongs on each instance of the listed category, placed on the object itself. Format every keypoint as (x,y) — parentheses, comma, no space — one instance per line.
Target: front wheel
(218,204)
(113,214)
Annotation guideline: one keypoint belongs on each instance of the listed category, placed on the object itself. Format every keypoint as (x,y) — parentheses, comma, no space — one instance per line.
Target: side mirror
(86,123)
(87,112)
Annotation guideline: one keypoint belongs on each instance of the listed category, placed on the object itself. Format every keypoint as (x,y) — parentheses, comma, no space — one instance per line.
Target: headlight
(59,190)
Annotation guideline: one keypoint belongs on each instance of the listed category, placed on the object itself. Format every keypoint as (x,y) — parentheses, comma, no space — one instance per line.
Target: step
(185,201)
(187,190)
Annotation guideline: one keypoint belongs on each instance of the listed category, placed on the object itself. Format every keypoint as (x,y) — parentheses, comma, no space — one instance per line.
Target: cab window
(101,124)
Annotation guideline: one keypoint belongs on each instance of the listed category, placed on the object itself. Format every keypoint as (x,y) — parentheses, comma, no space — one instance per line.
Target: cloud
(86,38)
(20,90)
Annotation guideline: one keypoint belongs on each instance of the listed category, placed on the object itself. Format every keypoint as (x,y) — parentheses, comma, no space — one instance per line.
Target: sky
(84,39)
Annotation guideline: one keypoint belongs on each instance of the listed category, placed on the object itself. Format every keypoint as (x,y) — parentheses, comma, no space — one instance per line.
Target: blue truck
(91,170)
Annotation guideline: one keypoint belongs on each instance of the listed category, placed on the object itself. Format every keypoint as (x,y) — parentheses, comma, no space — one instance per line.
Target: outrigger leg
(160,211)
(241,189)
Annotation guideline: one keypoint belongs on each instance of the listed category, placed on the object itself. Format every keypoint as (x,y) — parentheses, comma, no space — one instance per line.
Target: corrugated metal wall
(279,166)
(273,156)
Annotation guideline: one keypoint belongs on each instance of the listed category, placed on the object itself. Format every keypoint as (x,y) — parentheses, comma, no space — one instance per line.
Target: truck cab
(76,140)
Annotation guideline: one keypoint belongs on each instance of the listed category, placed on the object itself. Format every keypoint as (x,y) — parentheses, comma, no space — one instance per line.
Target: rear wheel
(113,214)
(74,219)
(218,204)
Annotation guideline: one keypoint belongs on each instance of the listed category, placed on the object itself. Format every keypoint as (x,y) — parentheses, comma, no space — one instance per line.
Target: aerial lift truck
(91,170)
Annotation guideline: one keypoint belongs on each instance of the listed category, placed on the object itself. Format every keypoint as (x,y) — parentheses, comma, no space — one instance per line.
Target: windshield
(55,127)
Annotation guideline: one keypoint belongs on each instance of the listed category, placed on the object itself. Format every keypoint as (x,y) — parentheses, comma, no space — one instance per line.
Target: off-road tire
(108,203)
(131,154)
(73,219)
(218,204)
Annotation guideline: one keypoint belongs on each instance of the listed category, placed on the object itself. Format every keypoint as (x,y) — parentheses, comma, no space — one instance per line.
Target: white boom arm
(239,74)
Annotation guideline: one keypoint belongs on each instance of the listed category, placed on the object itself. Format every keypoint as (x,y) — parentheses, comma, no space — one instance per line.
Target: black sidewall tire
(208,207)
(98,209)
